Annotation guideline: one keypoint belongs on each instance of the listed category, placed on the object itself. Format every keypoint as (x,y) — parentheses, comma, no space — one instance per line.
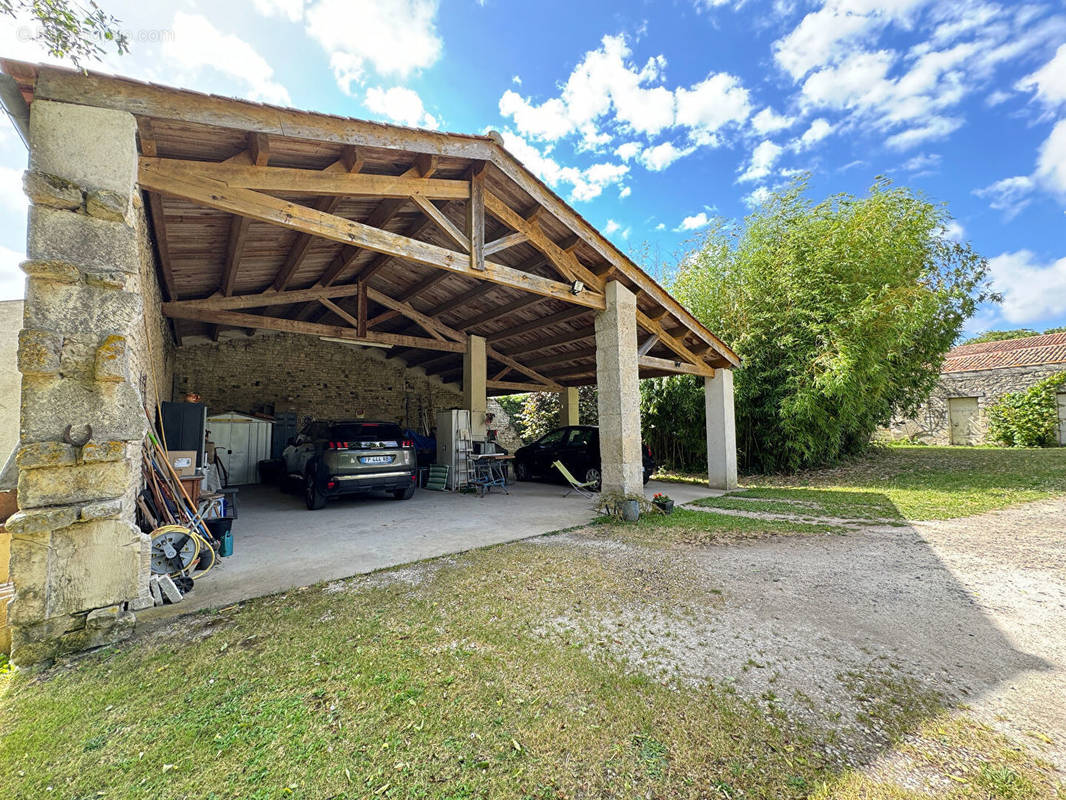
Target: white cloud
(611,227)
(661,156)
(661,226)
(516,80)
(625,192)
(12,198)
(818,130)
(694,223)
(198,45)
(826,35)
(608,94)
(1032,291)
(763,158)
(710,105)
(12,280)
(628,151)
(394,38)
(954,231)
(923,163)
(292,10)
(401,105)
(757,197)
(1051,161)
(769,121)
(586,184)
(936,128)
(1009,195)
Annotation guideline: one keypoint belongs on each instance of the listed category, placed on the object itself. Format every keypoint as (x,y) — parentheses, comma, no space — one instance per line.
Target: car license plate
(375,459)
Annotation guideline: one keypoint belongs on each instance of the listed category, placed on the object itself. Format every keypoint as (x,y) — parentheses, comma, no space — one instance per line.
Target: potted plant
(663,502)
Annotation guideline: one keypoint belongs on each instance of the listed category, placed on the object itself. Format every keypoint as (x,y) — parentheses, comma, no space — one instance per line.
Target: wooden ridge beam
(293,216)
(315,182)
(241,320)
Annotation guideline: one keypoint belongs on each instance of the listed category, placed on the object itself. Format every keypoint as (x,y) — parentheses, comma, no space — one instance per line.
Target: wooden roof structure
(267,218)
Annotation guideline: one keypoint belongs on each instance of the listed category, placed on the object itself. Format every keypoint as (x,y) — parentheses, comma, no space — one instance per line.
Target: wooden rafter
(267,298)
(518,330)
(504,243)
(265,208)
(673,342)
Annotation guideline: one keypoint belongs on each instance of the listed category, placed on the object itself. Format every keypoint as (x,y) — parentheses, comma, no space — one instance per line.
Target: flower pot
(667,506)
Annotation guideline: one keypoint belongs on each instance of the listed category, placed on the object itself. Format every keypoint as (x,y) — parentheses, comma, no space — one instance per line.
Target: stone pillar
(721,430)
(77,560)
(618,396)
(475,378)
(569,413)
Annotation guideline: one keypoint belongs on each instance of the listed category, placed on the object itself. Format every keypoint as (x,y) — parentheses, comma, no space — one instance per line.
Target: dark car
(577,446)
(351,457)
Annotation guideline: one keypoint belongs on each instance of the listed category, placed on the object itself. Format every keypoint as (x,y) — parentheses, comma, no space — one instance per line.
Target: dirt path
(823,626)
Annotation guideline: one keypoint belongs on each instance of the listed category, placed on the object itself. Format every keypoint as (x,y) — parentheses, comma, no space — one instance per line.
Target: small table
(489,470)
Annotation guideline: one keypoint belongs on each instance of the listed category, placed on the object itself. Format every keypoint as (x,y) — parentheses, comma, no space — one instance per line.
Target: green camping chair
(585,489)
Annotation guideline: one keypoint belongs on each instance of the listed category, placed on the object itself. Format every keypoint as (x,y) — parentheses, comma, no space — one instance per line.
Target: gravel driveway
(973,609)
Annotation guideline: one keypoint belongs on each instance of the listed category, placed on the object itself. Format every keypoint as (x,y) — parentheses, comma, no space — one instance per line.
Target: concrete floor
(279,544)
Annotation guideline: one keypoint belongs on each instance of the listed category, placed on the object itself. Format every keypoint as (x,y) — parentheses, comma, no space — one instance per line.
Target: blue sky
(652,117)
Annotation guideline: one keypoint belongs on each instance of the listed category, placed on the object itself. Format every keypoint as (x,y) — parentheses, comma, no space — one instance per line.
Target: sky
(652,118)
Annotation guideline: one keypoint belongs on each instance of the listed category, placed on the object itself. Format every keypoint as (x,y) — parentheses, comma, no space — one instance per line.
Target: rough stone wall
(303,374)
(78,562)
(931,424)
(10,379)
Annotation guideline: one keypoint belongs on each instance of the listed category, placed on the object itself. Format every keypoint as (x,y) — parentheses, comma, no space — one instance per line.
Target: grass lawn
(913,483)
(448,679)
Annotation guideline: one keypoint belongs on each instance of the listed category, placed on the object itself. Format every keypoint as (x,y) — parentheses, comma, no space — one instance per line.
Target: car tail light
(408,443)
(331,484)
(338,445)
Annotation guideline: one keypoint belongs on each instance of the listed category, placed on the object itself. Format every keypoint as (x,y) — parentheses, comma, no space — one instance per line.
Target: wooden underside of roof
(385,243)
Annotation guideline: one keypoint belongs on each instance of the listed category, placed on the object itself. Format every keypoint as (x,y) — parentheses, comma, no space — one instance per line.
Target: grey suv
(351,457)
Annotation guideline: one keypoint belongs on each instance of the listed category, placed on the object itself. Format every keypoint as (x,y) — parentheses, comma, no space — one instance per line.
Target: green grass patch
(455,688)
(687,527)
(839,504)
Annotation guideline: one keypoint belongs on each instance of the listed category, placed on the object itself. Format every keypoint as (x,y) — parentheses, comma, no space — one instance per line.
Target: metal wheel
(592,475)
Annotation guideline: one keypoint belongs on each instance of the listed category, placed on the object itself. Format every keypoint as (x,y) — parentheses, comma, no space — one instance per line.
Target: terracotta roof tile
(1025,352)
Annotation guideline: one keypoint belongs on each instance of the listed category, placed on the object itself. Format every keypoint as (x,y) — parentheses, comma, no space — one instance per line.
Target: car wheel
(313,494)
(592,475)
(521,471)
(404,494)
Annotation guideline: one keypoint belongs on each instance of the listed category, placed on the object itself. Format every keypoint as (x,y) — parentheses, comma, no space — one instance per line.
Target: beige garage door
(1062,419)
(962,412)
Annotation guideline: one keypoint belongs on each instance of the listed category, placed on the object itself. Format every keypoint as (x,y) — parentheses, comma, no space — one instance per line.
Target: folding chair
(585,489)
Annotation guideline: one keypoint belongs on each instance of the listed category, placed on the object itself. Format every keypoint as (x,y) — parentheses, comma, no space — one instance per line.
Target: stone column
(475,377)
(619,398)
(569,413)
(77,560)
(721,430)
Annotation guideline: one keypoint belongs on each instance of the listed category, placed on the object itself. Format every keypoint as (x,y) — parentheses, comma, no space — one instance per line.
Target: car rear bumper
(360,483)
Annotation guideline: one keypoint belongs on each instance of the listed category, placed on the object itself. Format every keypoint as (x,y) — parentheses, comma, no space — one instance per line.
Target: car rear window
(364,431)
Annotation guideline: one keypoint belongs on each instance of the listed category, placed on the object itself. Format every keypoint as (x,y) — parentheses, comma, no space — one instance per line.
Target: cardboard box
(183,461)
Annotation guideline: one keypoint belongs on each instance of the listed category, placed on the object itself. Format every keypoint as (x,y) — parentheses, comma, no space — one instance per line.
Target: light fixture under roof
(382,345)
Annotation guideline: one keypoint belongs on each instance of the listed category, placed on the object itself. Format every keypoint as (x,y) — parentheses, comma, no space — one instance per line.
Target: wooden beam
(496,355)
(293,216)
(238,237)
(442,222)
(166,266)
(475,220)
(267,298)
(579,335)
(504,243)
(146,134)
(500,311)
(461,299)
(423,285)
(361,309)
(680,367)
(565,263)
(407,310)
(517,387)
(315,182)
(259,148)
(562,358)
(499,375)
(385,316)
(340,312)
(649,343)
(675,344)
(241,320)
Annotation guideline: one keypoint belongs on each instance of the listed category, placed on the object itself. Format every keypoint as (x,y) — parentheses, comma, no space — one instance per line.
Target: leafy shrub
(673,422)
(1029,418)
(540,412)
(842,312)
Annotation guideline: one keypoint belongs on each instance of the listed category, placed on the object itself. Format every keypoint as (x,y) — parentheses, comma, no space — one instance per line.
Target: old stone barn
(973,377)
(277,261)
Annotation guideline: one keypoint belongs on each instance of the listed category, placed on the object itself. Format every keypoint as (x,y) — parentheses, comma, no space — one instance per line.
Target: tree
(999,336)
(68,29)
(540,412)
(841,311)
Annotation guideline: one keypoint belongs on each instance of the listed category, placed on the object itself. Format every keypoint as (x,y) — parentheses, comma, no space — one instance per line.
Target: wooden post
(361,313)
(475,220)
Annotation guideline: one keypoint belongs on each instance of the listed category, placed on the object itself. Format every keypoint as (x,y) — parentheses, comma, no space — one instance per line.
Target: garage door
(962,412)
(1062,419)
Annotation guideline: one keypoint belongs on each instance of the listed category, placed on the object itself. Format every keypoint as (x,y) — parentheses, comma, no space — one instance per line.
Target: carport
(164,218)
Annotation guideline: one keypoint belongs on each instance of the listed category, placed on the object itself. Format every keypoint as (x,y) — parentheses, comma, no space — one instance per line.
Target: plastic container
(222,529)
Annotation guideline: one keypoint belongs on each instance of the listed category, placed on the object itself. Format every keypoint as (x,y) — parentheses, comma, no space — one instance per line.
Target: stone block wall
(303,374)
(931,425)
(78,561)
